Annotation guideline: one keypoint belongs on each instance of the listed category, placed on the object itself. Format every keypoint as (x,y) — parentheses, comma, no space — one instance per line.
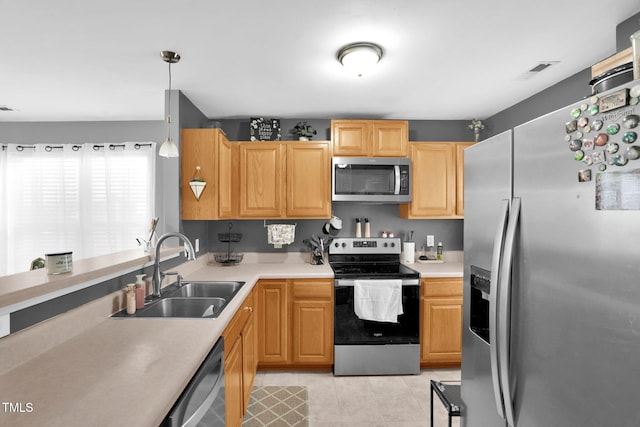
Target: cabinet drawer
(442,287)
(312,288)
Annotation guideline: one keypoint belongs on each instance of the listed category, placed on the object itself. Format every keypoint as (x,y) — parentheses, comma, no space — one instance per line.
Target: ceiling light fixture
(169,148)
(360,57)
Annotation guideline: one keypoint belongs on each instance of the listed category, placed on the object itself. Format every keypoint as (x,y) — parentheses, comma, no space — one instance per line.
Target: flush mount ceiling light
(169,148)
(360,57)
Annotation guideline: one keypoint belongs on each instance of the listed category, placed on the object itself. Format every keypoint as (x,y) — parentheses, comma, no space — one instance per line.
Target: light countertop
(85,368)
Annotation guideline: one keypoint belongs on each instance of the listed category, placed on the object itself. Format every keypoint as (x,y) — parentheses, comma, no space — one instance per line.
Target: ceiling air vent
(542,66)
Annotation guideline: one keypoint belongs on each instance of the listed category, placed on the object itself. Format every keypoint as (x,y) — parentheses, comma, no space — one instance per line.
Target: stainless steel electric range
(363,346)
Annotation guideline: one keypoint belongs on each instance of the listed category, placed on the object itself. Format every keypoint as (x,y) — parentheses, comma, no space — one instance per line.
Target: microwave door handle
(396,170)
(493,304)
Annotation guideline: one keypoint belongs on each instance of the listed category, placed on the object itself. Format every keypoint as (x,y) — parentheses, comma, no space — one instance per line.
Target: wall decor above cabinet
(261,129)
(370,138)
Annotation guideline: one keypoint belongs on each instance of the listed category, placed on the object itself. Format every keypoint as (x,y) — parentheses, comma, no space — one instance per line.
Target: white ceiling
(444,59)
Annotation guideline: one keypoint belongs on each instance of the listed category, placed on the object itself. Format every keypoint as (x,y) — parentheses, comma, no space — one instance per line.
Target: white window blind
(91,199)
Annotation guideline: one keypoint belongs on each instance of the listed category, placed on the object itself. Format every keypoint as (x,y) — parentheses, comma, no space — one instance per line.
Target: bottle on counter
(367,228)
(131,299)
(439,251)
(358,228)
(140,291)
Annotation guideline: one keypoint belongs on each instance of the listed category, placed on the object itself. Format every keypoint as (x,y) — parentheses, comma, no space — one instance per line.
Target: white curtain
(91,199)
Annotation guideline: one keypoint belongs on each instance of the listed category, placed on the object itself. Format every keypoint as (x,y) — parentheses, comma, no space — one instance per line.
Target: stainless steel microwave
(371,179)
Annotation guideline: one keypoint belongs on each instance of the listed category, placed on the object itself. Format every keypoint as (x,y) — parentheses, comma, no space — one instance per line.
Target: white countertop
(85,368)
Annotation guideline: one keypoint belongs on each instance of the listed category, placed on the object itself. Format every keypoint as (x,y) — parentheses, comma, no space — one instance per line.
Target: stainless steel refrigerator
(552,269)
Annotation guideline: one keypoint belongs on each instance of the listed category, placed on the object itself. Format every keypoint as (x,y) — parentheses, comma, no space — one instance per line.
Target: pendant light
(168,147)
(360,57)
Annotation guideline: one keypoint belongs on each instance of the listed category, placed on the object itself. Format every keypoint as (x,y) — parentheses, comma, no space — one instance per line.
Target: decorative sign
(261,129)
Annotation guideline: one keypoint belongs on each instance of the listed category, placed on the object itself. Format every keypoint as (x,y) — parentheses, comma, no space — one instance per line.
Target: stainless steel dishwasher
(202,402)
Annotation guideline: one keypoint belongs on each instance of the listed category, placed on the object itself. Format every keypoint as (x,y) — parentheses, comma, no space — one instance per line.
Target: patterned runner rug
(276,406)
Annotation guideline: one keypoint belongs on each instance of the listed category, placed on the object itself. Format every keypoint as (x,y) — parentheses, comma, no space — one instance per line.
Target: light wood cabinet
(210,150)
(312,338)
(370,138)
(240,361)
(308,180)
(273,322)
(262,177)
(437,180)
(460,147)
(295,323)
(285,180)
(441,322)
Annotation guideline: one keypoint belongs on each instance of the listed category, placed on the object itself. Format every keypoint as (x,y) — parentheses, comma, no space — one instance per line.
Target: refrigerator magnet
(584,175)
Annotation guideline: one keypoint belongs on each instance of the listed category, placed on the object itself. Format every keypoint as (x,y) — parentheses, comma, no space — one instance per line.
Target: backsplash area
(381,217)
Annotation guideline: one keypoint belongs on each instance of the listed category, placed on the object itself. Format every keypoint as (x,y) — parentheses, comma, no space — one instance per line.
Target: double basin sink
(192,299)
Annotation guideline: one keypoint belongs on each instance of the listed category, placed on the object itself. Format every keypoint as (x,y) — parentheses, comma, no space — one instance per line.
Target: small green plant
(303,129)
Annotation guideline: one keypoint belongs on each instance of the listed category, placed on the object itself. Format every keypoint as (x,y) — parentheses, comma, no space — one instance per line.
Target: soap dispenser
(131,299)
(140,291)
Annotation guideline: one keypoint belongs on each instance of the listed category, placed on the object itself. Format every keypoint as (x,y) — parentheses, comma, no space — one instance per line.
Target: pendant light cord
(169,108)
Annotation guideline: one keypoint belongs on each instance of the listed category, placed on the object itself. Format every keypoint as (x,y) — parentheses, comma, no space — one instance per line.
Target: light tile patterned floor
(374,401)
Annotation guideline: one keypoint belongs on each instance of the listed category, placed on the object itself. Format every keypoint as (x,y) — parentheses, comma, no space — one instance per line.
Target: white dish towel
(378,300)
(281,234)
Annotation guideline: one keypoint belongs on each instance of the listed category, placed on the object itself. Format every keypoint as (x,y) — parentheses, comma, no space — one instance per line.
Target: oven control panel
(375,245)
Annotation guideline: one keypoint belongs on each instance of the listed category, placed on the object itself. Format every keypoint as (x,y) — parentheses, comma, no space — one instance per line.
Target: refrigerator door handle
(504,311)
(493,304)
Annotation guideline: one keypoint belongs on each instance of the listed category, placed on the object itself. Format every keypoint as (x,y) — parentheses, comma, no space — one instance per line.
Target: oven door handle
(343,283)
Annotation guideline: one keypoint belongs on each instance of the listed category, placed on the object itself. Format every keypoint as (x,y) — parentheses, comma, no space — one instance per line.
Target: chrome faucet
(157,275)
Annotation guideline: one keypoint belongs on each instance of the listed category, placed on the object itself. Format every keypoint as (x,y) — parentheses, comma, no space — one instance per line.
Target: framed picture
(261,129)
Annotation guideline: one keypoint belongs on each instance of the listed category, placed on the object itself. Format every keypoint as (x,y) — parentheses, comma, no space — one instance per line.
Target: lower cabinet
(441,332)
(295,323)
(240,361)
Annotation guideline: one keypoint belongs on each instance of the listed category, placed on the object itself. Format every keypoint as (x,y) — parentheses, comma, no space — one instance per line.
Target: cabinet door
(261,180)
(199,149)
(442,333)
(273,317)
(312,332)
(433,179)
(390,138)
(350,137)
(227,179)
(233,389)
(308,180)
(249,359)
(460,147)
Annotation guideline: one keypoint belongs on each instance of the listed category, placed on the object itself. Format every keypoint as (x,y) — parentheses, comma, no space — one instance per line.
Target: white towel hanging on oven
(281,234)
(378,300)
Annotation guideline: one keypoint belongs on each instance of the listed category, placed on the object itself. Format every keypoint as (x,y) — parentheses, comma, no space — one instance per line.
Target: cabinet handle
(249,309)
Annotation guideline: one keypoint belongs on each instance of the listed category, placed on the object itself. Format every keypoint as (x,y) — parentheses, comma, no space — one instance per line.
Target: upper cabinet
(437,180)
(209,150)
(261,180)
(308,180)
(262,177)
(285,179)
(370,138)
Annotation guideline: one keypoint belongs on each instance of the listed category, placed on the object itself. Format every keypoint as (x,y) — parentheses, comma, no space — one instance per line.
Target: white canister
(59,263)
(409,252)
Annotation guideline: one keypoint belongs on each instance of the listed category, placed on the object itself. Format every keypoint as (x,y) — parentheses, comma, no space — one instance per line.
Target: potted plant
(304,131)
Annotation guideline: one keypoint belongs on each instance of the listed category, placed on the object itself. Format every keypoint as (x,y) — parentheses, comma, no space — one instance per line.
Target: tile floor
(374,401)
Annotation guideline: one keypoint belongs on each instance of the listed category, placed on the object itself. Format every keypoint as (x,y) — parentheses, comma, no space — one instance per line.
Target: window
(92,199)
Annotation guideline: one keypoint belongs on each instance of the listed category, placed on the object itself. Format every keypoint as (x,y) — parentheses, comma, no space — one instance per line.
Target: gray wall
(419,130)
(559,95)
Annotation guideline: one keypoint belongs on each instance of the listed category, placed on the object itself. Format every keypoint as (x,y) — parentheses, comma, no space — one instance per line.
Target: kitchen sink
(203,299)
(208,289)
(184,307)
